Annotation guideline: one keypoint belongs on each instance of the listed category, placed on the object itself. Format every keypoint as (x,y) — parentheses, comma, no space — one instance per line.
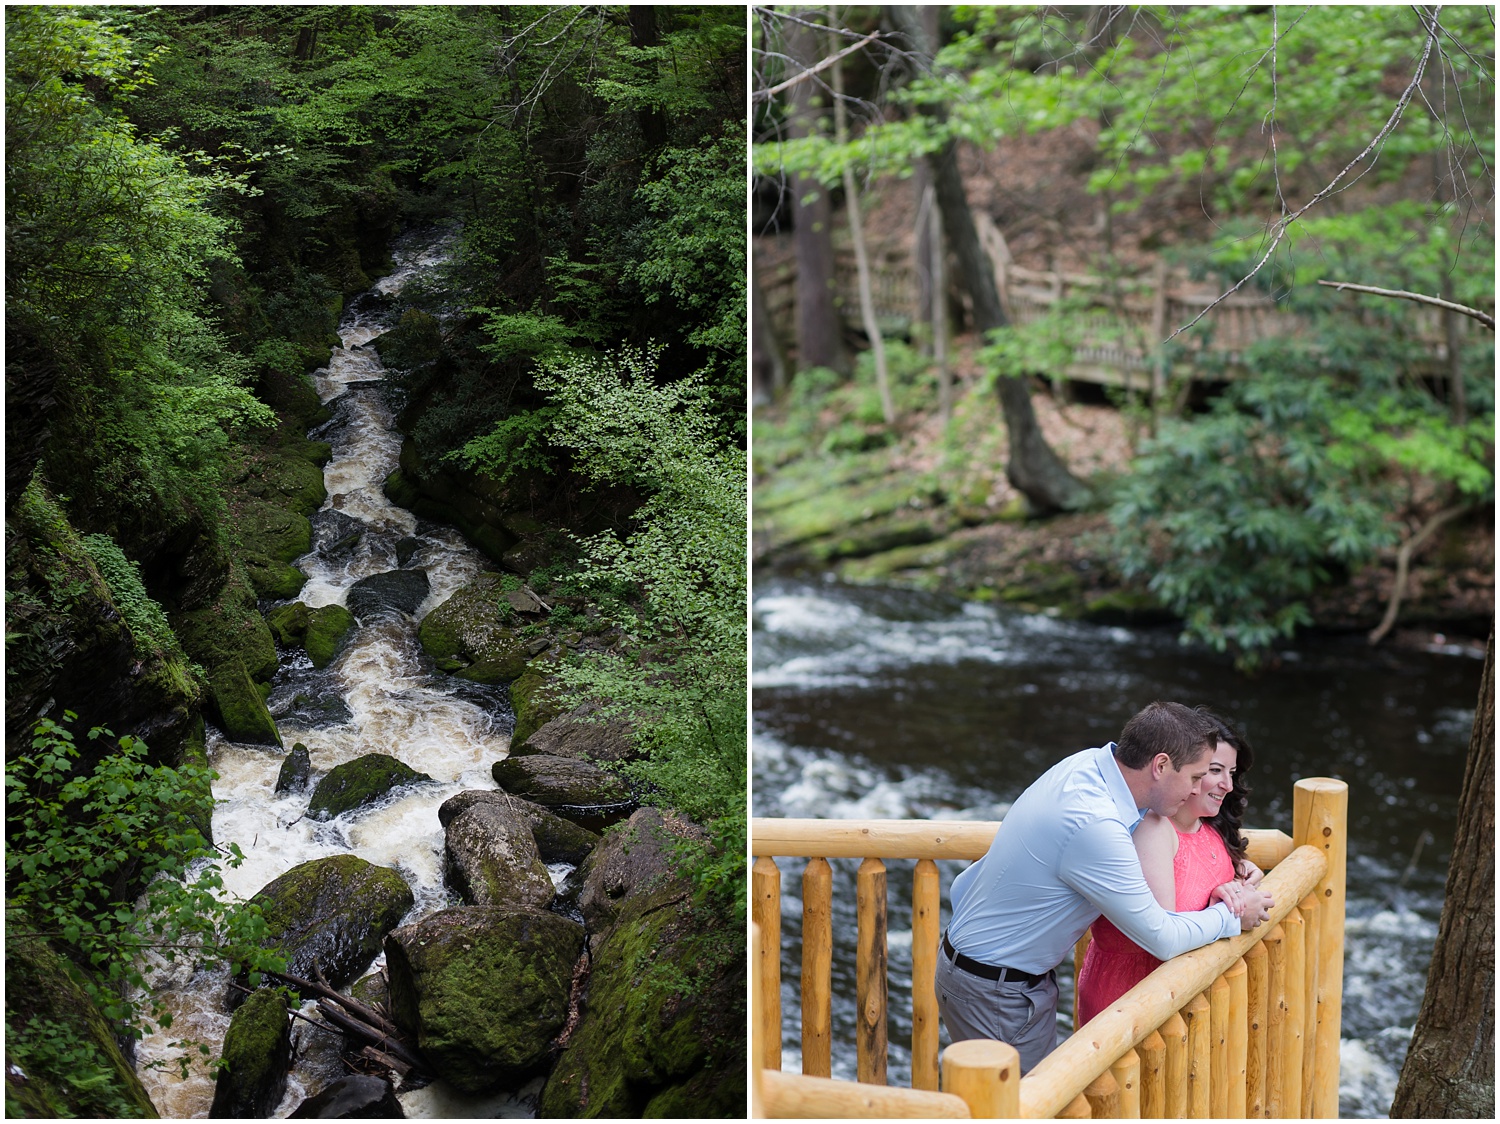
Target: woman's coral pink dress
(1114,963)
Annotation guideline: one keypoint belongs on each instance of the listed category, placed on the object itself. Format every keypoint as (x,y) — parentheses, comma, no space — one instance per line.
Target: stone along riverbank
(429,832)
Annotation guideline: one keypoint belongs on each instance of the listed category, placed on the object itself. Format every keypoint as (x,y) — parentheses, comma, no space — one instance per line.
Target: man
(1062,856)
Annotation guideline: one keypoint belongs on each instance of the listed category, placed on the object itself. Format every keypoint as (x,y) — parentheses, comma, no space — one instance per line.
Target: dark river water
(892,704)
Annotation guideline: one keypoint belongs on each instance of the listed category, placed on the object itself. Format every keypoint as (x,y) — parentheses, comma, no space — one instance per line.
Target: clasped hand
(1250,904)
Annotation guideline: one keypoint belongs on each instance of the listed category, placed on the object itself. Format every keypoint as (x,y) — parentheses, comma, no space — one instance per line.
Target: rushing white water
(376,697)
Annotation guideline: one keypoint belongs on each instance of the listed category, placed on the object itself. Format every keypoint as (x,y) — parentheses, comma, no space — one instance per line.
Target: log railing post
(926,910)
(817,969)
(1127,1071)
(757,1031)
(1218,1047)
(1153,1052)
(1296,1005)
(1238,977)
(766,912)
(1175,1070)
(870,973)
(1197,1016)
(1312,919)
(1076,1109)
(986,1075)
(1276,982)
(1320,817)
(1255,1021)
(1103,1095)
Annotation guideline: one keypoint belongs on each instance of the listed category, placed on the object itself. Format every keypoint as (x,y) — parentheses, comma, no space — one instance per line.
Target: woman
(1185,858)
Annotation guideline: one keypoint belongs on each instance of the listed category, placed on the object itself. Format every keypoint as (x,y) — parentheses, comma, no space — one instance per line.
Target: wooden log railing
(1243,1027)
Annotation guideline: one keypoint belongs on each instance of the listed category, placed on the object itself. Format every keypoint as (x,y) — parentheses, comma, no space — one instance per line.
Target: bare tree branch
(767,95)
(1483,317)
(1403,564)
(1283,224)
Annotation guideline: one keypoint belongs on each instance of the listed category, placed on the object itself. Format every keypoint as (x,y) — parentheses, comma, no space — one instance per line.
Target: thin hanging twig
(817,68)
(1483,317)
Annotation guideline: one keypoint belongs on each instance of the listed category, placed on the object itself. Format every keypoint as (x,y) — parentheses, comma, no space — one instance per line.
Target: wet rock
(336,532)
(371,990)
(572,789)
(484,989)
(296,770)
(230,628)
(580,735)
(328,627)
(406,550)
(663,1030)
(258,1053)
(530,554)
(557,840)
(316,711)
(353,1098)
(535,699)
(393,591)
(271,537)
(471,634)
(238,706)
(333,912)
(359,782)
(492,859)
(288,623)
(634,858)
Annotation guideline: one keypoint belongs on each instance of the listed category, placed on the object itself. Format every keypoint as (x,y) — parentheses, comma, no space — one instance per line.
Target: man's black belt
(989,971)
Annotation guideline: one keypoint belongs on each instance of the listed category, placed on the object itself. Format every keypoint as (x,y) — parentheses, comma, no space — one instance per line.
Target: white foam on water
(440,1101)
(1367,1084)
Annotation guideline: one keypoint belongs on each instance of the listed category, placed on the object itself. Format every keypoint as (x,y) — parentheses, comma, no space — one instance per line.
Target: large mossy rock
(561,784)
(334,912)
(41,999)
(635,857)
(239,707)
(321,631)
(485,990)
(662,1029)
(271,537)
(492,859)
(359,782)
(469,500)
(535,699)
(473,635)
(296,770)
(557,840)
(582,735)
(230,628)
(257,1055)
(393,591)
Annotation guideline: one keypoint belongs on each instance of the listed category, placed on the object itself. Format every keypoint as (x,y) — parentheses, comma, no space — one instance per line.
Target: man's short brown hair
(1180,732)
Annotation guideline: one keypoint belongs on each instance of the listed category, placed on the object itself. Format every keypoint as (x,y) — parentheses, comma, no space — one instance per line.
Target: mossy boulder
(474,632)
(229,628)
(635,857)
(568,787)
(492,859)
(557,840)
(291,482)
(535,699)
(42,997)
(239,707)
(288,623)
(333,912)
(272,536)
(583,735)
(257,1054)
(664,1020)
(328,628)
(359,782)
(296,770)
(484,990)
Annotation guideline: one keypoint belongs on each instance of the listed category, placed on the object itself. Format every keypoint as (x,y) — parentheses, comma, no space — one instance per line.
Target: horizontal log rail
(1242,1027)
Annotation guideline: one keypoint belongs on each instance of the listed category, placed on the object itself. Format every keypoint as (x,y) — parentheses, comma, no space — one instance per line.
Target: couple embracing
(1144,831)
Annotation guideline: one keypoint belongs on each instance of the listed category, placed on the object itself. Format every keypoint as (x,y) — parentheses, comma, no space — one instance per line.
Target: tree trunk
(643,35)
(767,361)
(1450,1068)
(1034,469)
(819,336)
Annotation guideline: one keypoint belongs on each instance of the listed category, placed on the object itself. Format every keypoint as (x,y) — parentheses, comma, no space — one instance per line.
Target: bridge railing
(1243,1027)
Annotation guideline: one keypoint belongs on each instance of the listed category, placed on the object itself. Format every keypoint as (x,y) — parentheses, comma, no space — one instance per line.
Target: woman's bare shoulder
(1156,831)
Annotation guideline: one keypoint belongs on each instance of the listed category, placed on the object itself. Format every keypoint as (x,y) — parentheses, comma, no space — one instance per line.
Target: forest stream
(378,696)
(874,703)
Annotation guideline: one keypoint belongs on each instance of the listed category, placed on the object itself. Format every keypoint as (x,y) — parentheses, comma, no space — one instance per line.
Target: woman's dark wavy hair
(1230,817)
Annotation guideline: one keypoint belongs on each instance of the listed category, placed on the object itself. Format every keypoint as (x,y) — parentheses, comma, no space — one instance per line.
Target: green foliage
(682,572)
(517,444)
(57,1053)
(147,620)
(78,844)
(1238,517)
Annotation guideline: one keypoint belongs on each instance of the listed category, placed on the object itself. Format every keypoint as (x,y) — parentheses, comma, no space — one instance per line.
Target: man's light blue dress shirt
(1062,856)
